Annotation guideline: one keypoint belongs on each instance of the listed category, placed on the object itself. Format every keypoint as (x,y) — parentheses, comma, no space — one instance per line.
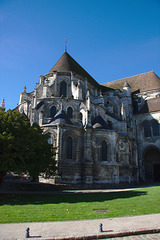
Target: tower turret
(2,104)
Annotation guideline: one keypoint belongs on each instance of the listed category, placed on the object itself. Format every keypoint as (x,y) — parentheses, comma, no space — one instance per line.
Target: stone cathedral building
(103,133)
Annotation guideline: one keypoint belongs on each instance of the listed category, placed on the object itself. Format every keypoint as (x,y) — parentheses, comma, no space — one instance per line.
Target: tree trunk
(2,175)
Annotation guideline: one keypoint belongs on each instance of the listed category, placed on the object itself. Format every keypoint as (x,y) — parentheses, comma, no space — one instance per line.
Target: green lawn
(76,206)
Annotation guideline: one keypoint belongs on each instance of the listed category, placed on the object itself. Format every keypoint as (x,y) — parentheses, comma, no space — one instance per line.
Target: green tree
(24,148)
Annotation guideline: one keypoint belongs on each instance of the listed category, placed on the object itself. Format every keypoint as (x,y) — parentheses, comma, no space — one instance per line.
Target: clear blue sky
(111,39)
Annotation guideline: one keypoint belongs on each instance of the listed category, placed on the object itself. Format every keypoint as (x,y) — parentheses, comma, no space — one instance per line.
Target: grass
(76,206)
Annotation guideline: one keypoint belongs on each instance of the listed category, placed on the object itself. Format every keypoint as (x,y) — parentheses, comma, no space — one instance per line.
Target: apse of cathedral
(105,133)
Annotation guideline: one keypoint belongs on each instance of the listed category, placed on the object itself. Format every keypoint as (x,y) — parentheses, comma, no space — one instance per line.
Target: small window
(69,112)
(69,147)
(103,151)
(53,111)
(147,129)
(63,89)
(155,128)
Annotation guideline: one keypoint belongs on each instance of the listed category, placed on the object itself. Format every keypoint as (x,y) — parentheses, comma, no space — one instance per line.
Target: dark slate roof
(40,104)
(67,64)
(142,82)
(99,123)
(61,118)
(151,105)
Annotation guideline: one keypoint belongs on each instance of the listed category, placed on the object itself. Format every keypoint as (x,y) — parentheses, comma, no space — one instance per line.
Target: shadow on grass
(24,199)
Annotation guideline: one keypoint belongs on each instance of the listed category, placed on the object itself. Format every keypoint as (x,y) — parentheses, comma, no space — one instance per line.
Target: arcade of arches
(152,165)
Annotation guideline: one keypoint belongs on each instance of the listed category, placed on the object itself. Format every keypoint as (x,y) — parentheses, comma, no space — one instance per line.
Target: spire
(24,89)
(2,104)
(66,45)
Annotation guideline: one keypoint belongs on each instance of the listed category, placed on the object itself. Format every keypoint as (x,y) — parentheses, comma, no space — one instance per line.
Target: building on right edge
(145,89)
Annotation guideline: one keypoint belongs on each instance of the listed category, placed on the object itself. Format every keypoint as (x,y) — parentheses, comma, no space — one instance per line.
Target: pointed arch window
(147,129)
(155,128)
(103,151)
(63,89)
(69,112)
(69,148)
(53,111)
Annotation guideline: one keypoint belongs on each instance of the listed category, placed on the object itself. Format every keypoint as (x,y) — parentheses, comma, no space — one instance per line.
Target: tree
(24,148)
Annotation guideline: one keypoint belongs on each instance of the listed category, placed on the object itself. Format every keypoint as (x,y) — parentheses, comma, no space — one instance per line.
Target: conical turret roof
(99,123)
(67,64)
(61,118)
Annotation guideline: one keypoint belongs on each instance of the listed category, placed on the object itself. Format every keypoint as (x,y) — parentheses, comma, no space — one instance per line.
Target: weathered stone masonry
(100,131)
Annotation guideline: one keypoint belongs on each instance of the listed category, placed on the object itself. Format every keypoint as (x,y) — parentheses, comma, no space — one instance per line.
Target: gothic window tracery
(151,128)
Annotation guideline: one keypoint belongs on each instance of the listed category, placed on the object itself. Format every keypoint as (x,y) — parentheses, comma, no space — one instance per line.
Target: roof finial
(66,45)
(24,89)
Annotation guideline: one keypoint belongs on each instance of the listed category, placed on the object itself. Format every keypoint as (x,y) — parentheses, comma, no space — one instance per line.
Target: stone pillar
(88,101)
(79,91)
(88,161)
(35,99)
(41,79)
(40,118)
(45,89)
(59,152)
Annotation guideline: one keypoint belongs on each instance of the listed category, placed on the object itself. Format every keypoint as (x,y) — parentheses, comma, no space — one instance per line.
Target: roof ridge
(140,82)
(132,76)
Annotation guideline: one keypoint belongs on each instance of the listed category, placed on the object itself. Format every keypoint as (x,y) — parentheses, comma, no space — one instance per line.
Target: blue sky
(111,39)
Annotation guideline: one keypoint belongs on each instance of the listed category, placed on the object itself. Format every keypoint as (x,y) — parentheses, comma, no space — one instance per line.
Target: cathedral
(105,133)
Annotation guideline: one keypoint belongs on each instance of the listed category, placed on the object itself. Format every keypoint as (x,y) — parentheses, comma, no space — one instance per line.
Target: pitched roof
(142,82)
(151,105)
(99,123)
(67,64)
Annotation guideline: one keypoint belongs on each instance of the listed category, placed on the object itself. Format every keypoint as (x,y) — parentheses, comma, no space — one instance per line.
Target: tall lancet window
(155,128)
(147,129)
(69,147)
(104,151)
(63,89)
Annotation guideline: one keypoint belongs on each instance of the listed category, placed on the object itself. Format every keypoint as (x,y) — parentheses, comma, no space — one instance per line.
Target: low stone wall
(17,186)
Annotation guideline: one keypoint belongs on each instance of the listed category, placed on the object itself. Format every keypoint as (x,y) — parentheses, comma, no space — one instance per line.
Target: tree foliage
(23,148)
